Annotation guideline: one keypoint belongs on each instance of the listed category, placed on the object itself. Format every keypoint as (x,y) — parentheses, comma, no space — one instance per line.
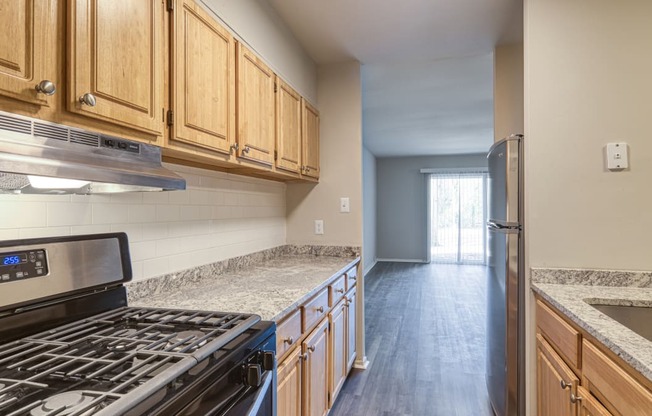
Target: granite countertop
(571,291)
(271,288)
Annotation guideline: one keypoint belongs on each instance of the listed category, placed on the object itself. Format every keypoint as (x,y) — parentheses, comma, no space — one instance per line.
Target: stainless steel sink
(636,318)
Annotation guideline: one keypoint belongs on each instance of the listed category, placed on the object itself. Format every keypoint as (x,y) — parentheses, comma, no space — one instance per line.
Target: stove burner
(64,404)
(183,339)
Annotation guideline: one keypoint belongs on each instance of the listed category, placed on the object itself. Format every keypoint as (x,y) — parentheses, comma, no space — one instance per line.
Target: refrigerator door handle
(502,226)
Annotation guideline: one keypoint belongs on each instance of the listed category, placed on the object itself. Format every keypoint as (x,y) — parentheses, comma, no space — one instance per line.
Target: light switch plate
(617,156)
(345,205)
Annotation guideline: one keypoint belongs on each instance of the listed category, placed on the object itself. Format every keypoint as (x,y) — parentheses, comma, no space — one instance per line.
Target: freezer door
(502,321)
(503,181)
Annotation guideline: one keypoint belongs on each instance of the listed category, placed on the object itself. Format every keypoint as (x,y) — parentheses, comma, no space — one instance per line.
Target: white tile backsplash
(219,216)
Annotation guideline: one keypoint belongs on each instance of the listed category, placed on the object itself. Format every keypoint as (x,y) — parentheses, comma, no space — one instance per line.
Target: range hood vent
(48,158)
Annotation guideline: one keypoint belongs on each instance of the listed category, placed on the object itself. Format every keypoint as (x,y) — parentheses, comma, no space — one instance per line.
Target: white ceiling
(427,65)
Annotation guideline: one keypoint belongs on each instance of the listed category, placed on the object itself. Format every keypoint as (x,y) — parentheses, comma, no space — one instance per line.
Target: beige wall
(508,90)
(588,82)
(340,106)
(263,30)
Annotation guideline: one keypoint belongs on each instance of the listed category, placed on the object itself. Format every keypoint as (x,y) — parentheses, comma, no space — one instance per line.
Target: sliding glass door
(458,218)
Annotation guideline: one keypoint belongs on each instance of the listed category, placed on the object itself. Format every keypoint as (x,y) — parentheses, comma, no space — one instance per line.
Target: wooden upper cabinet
(203,97)
(116,62)
(310,142)
(288,128)
(27,30)
(255,108)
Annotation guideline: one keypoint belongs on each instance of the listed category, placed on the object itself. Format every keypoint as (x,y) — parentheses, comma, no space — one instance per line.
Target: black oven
(70,345)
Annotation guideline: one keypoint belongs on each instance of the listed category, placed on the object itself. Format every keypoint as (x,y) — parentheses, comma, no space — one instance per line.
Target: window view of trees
(458,218)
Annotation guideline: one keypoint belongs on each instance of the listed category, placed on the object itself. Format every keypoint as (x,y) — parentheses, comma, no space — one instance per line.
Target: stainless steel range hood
(48,158)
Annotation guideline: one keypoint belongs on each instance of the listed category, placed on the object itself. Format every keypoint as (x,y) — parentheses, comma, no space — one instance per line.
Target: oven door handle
(260,395)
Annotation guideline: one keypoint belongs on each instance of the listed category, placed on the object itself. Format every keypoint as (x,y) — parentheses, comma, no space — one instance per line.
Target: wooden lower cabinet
(338,348)
(351,351)
(289,384)
(555,382)
(315,374)
(589,406)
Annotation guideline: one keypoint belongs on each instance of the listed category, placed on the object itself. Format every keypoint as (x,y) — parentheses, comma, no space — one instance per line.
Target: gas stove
(76,349)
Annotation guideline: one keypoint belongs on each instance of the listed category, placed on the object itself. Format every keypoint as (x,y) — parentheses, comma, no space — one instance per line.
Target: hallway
(425,343)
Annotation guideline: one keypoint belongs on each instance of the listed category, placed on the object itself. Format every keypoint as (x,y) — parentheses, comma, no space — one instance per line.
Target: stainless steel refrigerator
(505,278)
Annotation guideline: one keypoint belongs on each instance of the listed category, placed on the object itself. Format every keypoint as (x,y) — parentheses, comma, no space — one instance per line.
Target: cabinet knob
(574,399)
(88,99)
(339,290)
(46,87)
(289,340)
(311,348)
(303,356)
(246,150)
(234,147)
(564,385)
(320,309)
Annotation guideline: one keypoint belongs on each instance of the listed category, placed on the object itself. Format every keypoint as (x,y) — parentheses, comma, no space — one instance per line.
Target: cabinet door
(315,382)
(589,406)
(204,79)
(338,345)
(351,329)
(255,115)
(27,51)
(116,54)
(288,128)
(553,399)
(289,385)
(310,142)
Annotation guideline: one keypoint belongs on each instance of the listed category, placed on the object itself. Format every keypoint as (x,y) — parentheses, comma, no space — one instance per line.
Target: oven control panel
(22,265)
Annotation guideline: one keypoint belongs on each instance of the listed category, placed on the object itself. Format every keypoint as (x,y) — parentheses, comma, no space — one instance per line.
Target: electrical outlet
(319,226)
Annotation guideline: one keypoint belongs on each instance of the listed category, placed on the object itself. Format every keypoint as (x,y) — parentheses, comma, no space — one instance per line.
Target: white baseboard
(361,364)
(368,268)
(404,260)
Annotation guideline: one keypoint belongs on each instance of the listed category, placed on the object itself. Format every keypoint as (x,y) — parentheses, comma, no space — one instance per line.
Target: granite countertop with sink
(572,291)
(270,286)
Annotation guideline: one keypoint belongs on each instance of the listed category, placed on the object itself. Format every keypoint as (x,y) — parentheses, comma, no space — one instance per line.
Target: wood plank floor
(425,343)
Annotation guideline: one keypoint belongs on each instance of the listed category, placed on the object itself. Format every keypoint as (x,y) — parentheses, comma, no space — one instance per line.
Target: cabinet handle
(289,340)
(46,87)
(574,399)
(234,147)
(311,348)
(352,278)
(564,385)
(88,99)
(340,290)
(246,150)
(303,168)
(303,356)
(307,169)
(320,309)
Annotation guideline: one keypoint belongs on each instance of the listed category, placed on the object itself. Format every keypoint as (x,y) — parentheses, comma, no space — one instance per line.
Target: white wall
(219,216)
(258,24)
(369,187)
(402,231)
(508,90)
(340,107)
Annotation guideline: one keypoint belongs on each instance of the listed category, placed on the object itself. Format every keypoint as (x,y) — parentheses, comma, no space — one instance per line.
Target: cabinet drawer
(560,334)
(605,379)
(351,277)
(315,310)
(288,333)
(338,288)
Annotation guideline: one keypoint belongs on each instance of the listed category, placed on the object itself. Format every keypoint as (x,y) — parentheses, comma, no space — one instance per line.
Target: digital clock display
(13,259)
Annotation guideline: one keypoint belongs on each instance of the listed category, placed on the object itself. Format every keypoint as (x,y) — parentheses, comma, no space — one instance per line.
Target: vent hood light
(43,182)
(38,157)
